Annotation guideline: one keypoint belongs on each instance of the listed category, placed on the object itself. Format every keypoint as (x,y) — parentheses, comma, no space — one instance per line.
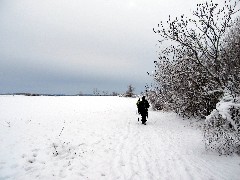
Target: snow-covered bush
(222,126)
(198,60)
(154,100)
(184,87)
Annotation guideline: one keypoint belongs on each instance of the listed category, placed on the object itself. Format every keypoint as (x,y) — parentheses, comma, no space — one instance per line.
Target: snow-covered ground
(100,138)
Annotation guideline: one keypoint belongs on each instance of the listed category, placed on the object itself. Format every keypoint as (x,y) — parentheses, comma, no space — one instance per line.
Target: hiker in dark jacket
(143,109)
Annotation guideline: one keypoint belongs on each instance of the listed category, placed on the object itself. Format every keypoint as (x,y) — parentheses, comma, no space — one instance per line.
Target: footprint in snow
(35,154)
(31,160)
(35,150)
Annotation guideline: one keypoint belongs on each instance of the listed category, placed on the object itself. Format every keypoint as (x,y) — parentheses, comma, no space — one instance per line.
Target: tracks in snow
(145,152)
(102,139)
(151,152)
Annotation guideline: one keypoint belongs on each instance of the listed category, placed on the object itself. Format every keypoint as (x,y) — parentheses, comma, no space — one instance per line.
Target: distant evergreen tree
(129,92)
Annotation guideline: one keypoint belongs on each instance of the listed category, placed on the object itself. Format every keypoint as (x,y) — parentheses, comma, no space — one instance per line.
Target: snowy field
(52,138)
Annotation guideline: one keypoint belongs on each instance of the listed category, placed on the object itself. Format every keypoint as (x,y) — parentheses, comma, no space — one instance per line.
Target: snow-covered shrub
(222,127)
(198,60)
(154,100)
(231,58)
(185,88)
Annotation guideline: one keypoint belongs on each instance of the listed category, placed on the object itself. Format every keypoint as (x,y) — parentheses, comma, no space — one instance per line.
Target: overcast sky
(67,46)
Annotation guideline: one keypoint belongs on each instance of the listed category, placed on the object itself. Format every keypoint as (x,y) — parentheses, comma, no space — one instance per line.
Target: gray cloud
(71,45)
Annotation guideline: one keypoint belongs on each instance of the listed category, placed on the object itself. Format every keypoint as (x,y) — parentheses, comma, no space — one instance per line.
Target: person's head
(143,98)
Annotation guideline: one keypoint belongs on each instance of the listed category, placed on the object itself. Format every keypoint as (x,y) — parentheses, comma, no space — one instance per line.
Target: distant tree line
(128,93)
(97,92)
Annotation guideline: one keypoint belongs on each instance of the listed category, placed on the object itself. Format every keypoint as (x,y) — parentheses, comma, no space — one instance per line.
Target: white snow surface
(100,138)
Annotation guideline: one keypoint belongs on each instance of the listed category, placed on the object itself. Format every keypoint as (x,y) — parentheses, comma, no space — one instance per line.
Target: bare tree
(96,92)
(201,68)
(190,74)
(105,93)
(231,59)
(199,39)
(114,93)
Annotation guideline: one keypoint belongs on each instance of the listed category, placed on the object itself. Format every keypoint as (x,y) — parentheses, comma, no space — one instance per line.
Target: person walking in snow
(143,109)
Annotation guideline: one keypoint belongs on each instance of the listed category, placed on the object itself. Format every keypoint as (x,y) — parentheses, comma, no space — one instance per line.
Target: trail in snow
(100,138)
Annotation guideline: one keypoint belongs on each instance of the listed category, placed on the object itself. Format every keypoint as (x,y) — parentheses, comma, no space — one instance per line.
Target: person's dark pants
(144,118)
